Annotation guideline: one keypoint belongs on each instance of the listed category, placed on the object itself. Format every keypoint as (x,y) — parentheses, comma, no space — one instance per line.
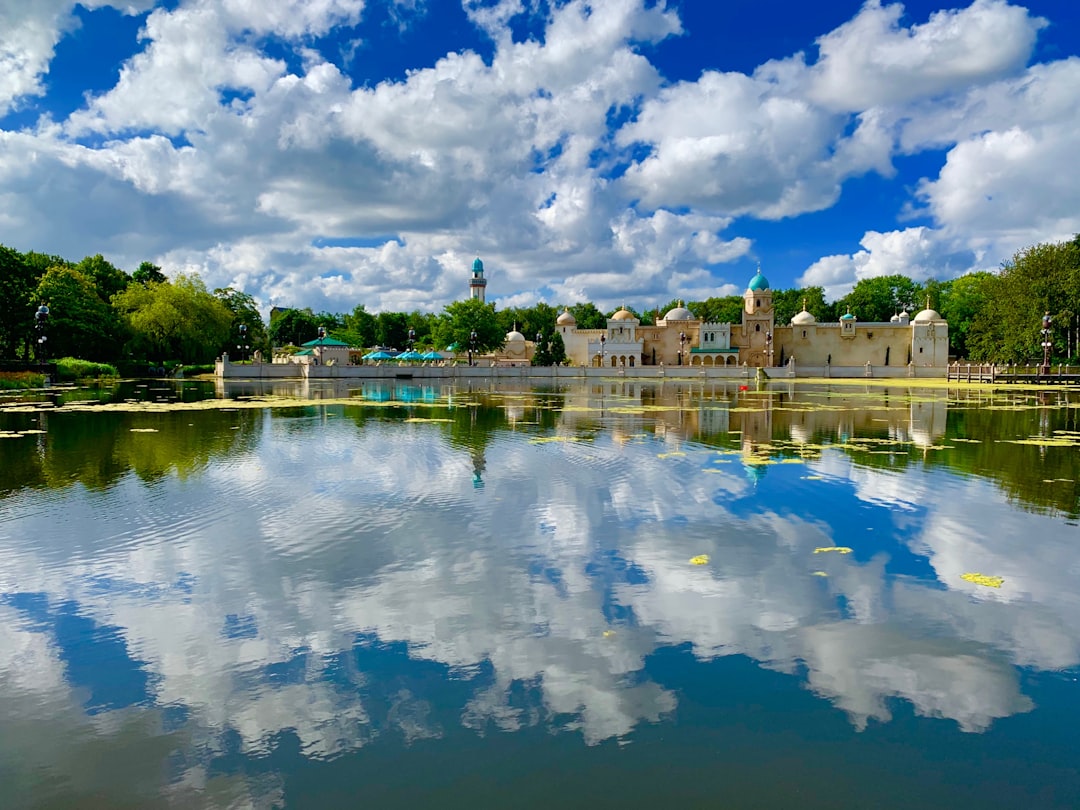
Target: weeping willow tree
(178,320)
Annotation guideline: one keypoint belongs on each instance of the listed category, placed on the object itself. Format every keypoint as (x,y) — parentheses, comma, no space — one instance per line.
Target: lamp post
(411,340)
(472,345)
(41,326)
(682,346)
(603,347)
(243,345)
(322,337)
(768,347)
(1047,344)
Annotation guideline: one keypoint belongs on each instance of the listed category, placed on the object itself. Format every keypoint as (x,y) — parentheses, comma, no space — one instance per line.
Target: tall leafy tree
(462,318)
(881,297)
(293,327)
(726,309)
(1044,278)
(80,323)
(789,303)
(18,281)
(588,316)
(107,278)
(148,272)
(558,350)
(960,301)
(180,320)
(244,311)
(392,329)
(360,328)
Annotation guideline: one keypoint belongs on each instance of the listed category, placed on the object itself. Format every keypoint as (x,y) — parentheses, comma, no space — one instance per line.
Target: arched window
(757,327)
(631,362)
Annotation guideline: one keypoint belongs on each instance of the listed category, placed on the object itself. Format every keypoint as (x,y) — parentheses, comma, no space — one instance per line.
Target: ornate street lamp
(472,345)
(411,340)
(768,347)
(322,337)
(41,326)
(1047,343)
(682,346)
(603,347)
(243,345)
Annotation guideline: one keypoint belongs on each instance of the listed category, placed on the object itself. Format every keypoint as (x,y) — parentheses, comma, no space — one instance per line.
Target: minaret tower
(477,283)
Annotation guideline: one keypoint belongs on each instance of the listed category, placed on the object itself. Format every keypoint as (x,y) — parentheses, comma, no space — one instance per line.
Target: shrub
(71,368)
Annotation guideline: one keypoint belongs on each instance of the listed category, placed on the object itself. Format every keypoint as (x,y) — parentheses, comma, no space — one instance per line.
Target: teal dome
(759,283)
(477,265)
(847,316)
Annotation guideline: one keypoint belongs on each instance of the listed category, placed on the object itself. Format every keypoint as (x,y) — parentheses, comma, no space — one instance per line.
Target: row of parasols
(404,356)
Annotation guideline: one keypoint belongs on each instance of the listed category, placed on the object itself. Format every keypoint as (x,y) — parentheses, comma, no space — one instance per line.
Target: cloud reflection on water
(253,593)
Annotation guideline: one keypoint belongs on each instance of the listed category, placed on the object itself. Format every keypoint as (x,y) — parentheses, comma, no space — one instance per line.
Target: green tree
(728,309)
(18,281)
(588,316)
(392,329)
(879,298)
(541,352)
(360,328)
(960,301)
(180,320)
(462,318)
(245,312)
(80,323)
(1041,278)
(107,278)
(148,272)
(558,350)
(293,327)
(789,303)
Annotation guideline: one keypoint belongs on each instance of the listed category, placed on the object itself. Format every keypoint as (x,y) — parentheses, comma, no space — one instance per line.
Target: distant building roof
(324,342)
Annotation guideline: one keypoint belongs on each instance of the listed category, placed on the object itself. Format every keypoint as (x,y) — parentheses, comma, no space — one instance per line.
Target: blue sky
(329,153)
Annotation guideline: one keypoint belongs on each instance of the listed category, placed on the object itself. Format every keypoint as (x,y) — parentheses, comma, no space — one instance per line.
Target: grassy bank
(15,380)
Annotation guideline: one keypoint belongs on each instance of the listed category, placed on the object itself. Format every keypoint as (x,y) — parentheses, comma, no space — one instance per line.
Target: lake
(617,594)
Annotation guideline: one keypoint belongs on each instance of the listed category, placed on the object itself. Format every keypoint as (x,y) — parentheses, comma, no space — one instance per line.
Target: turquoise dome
(477,265)
(759,283)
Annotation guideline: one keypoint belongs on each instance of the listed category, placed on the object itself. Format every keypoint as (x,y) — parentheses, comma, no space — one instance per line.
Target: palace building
(680,339)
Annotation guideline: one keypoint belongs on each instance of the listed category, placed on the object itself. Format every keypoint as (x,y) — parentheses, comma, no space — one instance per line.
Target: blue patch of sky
(740,35)
(88,59)
(354,241)
(386,45)
(786,248)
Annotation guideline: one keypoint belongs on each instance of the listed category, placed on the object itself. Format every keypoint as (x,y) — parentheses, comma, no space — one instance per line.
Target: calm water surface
(617,595)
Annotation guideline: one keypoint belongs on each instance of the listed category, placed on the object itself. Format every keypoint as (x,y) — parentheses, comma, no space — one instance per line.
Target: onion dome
(623,315)
(927,315)
(758,282)
(895,319)
(566,319)
(514,336)
(477,265)
(847,316)
(803,318)
(679,313)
